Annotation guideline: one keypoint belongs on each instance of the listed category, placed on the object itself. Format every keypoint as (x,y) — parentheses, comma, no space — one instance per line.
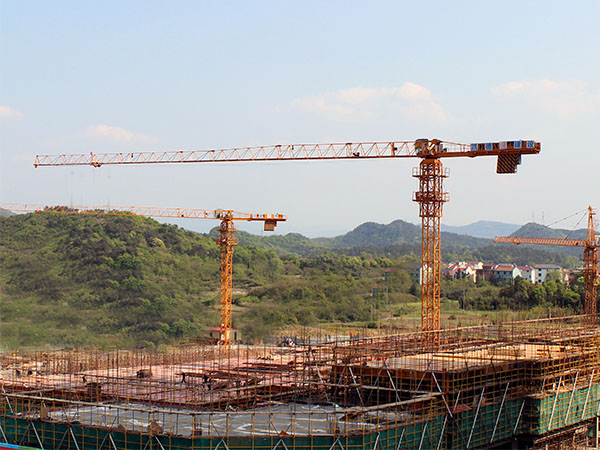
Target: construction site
(531,384)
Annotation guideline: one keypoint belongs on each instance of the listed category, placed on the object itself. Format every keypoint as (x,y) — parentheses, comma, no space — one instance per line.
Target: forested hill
(397,232)
(400,238)
(369,234)
(536,230)
(102,280)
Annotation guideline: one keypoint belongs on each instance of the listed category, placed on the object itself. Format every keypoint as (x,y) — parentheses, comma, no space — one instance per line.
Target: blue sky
(119,76)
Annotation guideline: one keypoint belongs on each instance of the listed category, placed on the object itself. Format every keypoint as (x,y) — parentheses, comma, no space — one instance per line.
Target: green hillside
(131,281)
(396,233)
(101,280)
(369,234)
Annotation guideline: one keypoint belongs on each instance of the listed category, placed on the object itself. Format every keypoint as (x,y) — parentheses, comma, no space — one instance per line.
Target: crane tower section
(431,198)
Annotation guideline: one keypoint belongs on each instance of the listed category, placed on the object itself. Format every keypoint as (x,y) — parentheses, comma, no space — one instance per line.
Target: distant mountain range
(400,237)
(369,234)
(483,229)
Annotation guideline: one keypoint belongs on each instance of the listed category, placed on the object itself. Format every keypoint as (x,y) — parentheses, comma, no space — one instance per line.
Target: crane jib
(297,152)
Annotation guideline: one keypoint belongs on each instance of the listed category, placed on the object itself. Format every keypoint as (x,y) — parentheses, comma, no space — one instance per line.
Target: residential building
(542,271)
(449,271)
(485,273)
(505,272)
(527,273)
(468,270)
(462,270)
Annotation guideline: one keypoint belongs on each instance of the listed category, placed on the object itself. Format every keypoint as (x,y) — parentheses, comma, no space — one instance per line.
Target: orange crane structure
(430,173)
(591,271)
(226,239)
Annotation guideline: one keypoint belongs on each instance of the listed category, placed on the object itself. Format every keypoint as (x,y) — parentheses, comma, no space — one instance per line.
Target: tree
(555,275)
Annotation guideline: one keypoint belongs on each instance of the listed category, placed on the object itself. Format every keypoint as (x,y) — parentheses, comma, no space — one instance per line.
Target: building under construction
(532,384)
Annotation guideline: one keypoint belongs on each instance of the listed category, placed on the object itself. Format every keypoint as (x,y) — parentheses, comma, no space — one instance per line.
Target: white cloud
(564,99)
(358,103)
(117,134)
(8,112)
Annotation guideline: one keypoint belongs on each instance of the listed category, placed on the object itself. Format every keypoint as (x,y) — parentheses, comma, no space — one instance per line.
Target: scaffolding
(535,383)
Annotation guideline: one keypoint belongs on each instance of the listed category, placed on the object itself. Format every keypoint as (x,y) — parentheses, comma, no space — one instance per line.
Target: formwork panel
(564,409)
(471,429)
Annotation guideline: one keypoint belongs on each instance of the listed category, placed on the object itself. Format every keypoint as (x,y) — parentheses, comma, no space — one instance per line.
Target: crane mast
(226,240)
(431,198)
(430,174)
(226,243)
(591,271)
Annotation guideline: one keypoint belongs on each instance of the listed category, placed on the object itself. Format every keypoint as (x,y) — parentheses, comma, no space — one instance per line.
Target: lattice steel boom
(430,174)
(226,239)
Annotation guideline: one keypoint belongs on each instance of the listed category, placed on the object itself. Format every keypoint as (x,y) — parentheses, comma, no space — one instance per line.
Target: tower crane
(430,174)
(591,271)
(226,238)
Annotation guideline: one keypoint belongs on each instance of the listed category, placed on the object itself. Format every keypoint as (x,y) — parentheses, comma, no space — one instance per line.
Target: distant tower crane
(226,239)
(430,174)
(591,270)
